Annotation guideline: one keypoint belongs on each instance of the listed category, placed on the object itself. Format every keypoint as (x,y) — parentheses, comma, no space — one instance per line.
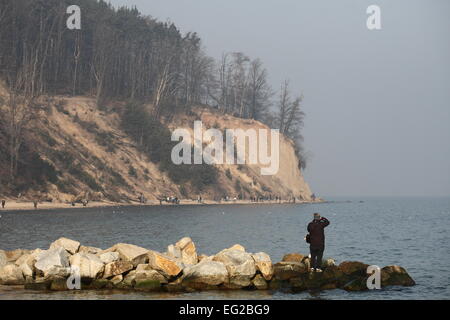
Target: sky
(377,102)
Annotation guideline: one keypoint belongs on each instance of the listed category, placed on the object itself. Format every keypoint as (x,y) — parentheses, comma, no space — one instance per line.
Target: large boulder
(240,266)
(109,257)
(263,264)
(285,270)
(166,265)
(56,273)
(130,252)
(395,276)
(47,259)
(117,267)
(26,264)
(293,257)
(354,268)
(90,265)
(10,274)
(188,252)
(69,245)
(205,275)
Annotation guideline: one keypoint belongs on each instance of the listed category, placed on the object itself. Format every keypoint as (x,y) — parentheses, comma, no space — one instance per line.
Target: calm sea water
(411,232)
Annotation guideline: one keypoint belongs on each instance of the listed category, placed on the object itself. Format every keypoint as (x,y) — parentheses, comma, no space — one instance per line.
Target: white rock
(90,265)
(130,252)
(57,257)
(56,272)
(209,273)
(71,246)
(109,257)
(240,265)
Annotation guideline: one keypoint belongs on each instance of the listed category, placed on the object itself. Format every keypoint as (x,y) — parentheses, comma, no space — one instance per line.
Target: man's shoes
(312,270)
(318,270)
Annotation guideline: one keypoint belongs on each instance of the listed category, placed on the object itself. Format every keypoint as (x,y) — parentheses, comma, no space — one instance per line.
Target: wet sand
(14,205)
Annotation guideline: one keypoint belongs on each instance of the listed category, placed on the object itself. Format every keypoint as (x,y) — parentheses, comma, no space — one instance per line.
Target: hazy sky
(377,102)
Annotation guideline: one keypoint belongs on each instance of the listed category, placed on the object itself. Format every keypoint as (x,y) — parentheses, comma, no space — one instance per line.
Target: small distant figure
(313,197)
(35,203)
(85,203)
(3,204)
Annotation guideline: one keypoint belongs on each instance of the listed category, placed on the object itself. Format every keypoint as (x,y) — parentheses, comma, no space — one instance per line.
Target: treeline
(121,54)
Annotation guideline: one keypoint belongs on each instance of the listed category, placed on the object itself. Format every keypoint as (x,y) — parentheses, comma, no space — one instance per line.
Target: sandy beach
(14,205)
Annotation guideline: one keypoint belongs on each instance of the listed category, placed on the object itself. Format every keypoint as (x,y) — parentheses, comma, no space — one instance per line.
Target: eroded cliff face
(94,158)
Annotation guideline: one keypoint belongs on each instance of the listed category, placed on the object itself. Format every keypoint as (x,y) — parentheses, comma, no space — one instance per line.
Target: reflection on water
(412,232)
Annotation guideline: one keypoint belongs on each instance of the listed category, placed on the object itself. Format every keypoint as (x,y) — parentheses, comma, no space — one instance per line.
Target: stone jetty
(180,268)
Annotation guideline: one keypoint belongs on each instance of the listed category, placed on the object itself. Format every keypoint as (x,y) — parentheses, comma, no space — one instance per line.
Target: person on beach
(3,204)
(317,240)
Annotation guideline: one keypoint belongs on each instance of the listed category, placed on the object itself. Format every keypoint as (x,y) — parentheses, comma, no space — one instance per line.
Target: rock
(91,250)
(90,265)
(293,257)
(128,281)
(203,257)
(117,267)
(40,285)
(395,276)
(263,264)
(56,272)
(259,282)
(69,245)
(188,251)
(109,257)
(174,252)
(10,274)
(357,284)
(353,268)
(3,259)
(168,266)
(236,247)
(153,275)
(27,269)
(285,270)
(116,279)
(145,278)
(205,274)
(328,263)
(297,283)
(13,255)
(307,262)
(97,284)
(240,266)
(130,252)
(58,284)
(47,259)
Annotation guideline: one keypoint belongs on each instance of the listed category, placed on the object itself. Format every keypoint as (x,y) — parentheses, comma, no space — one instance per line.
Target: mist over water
(410,232)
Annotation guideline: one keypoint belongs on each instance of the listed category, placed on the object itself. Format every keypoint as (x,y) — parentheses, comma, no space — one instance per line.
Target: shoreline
(14,205)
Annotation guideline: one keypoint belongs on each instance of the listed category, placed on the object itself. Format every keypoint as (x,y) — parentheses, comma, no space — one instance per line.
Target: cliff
(73,150)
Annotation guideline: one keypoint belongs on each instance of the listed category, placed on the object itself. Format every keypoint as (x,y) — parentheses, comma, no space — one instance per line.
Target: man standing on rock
(317,240)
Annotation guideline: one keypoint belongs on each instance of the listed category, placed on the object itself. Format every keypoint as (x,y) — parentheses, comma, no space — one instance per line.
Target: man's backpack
(308,238)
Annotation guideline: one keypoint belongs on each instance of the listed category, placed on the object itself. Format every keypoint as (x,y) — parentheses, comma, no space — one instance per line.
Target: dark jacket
(316,234)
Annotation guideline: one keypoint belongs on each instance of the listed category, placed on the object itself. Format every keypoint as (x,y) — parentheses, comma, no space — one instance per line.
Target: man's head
(316,216)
